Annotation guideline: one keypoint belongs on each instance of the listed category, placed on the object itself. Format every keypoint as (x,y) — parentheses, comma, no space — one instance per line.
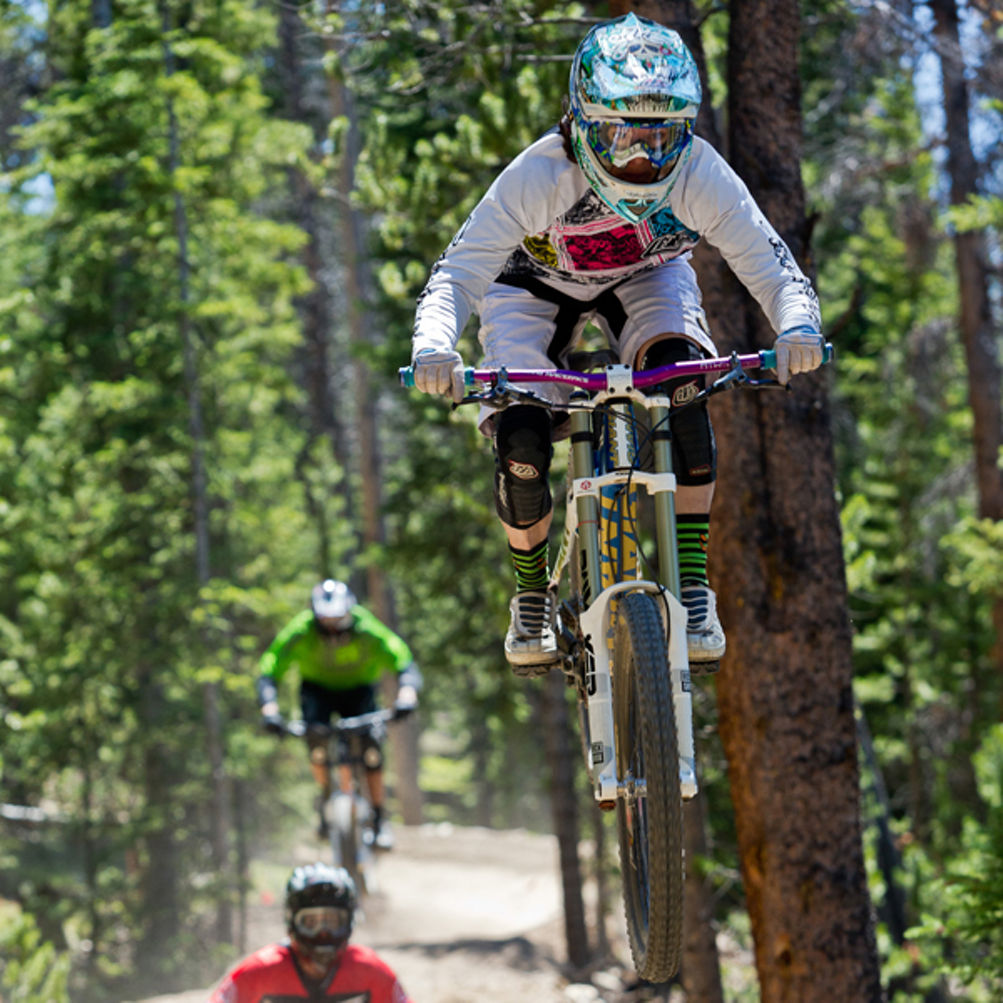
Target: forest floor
(465,915)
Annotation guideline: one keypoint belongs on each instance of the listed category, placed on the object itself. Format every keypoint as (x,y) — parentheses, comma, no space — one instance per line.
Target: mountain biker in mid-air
(595,221)
(340,650)
(316,961)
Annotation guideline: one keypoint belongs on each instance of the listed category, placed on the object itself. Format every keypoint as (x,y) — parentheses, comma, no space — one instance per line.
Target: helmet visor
(313,921)
(619,141)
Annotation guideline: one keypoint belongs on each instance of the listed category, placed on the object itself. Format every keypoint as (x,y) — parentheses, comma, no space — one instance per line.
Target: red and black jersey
(272,975)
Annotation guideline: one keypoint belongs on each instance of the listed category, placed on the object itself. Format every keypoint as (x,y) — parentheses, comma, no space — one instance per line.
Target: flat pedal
(704,668)
(533,671)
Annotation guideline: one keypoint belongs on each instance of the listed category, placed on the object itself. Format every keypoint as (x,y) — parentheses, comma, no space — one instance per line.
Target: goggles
(315,920)
(618,141)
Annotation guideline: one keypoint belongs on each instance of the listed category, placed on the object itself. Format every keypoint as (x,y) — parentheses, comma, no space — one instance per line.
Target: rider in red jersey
(316,962)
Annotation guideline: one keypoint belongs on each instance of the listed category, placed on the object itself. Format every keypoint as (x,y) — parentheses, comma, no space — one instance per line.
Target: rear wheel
(649,806)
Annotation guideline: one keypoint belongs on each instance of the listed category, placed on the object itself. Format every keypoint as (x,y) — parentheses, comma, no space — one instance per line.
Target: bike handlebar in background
(362,722)
(765,359)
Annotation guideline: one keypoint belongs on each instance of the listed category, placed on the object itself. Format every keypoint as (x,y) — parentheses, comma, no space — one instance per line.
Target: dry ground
(463,915)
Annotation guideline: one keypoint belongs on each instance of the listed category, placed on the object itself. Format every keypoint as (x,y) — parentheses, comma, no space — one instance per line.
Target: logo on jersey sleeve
(542,248)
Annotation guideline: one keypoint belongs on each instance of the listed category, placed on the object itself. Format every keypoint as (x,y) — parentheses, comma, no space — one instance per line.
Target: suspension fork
(665,502)
(668,573)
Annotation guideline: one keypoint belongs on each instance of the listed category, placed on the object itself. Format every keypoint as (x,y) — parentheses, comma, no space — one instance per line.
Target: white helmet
(332,603)
(634,93)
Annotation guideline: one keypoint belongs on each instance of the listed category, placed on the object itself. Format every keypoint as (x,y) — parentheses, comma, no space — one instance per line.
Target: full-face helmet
(320,910)
(332,603)
(634,94)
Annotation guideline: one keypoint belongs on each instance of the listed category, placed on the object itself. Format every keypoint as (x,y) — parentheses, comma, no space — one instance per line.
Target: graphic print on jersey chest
(590,238)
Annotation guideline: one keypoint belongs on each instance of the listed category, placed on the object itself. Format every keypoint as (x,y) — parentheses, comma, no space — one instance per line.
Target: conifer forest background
(215,219)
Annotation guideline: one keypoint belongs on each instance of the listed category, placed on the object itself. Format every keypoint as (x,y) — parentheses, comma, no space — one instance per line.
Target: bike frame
(608,571)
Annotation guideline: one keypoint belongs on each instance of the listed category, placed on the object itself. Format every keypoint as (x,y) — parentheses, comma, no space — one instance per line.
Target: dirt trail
(463,915)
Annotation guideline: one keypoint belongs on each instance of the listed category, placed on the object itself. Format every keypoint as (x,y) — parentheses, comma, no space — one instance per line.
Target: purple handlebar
(642,378)
(766,359)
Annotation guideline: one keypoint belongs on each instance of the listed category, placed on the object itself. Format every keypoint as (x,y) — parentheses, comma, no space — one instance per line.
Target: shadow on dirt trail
(463,915)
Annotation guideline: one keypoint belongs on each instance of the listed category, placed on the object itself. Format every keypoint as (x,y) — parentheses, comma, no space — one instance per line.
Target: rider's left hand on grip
(798,350)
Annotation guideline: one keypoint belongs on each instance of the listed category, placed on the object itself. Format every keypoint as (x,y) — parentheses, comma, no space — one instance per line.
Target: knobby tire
(650,830)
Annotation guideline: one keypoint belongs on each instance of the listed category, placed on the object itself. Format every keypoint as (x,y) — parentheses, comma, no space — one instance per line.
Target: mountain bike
(348,812)
(622,628)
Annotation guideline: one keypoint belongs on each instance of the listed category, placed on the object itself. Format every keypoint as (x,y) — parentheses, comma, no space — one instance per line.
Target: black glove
(273,724)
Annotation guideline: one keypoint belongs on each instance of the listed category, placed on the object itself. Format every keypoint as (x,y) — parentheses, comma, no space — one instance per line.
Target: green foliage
(921,570)
(31,971)
(146,139)
(963,931)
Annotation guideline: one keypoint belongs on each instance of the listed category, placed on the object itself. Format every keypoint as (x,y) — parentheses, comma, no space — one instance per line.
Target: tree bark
(978,336)
(219,808)
(315,309)
(701,972)
(562,756)
(356,280)
(785,687)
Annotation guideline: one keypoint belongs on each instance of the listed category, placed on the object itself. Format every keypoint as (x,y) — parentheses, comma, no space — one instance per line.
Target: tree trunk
(219,808)
(314,308)
(158,881)
(562,756)
(971,261)
(701,972)
(404,738)
(785,687)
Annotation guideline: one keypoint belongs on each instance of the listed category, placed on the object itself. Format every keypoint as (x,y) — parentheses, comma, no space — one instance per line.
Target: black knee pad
(319,743)
(694,451)
(372,755)
(522,463)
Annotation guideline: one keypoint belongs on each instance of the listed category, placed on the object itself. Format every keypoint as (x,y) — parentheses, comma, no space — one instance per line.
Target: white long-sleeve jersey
(541,220)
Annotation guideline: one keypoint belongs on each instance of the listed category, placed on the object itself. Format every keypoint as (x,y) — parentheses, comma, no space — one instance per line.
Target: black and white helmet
(320,910)
(332,603)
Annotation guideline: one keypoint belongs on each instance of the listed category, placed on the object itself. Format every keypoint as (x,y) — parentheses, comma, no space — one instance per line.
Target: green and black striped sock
(692,534)
(531,566)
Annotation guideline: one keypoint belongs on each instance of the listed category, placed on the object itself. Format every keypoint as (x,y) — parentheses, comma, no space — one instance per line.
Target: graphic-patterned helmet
(634,93)
(332,603)
(320,910)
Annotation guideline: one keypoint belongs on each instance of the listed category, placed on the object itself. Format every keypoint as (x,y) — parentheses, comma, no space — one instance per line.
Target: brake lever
(501,395)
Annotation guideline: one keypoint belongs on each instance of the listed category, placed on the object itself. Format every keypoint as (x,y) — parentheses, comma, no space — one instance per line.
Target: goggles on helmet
(313,921)
(618,141)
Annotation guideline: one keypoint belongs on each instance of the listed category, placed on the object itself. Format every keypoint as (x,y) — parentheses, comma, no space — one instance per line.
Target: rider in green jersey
(340,651)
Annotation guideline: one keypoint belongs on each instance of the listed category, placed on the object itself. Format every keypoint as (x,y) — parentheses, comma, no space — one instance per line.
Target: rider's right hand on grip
(438,371)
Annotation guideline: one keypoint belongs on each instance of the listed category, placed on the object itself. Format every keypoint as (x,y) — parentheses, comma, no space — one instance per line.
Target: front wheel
(649,802)
(346,838)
